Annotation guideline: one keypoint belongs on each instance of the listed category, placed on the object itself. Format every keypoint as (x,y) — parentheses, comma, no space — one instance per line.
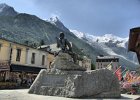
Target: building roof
(14,42)
(106,57)
(85,57)
(53,47)
(19,43)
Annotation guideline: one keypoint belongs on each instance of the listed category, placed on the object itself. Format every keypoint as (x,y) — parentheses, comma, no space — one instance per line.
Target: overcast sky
(97,17)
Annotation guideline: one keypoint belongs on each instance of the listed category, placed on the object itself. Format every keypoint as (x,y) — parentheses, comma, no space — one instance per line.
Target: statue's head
(61,35)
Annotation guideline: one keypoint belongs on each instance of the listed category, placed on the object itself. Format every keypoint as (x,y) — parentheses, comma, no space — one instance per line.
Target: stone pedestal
(65,62)
(68,80)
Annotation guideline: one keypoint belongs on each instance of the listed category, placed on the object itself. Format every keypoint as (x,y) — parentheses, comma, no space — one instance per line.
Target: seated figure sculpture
(65,46)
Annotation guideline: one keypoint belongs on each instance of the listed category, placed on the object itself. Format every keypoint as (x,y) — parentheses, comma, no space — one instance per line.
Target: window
(18,54)
(11,51)
(43,60)
(33,58)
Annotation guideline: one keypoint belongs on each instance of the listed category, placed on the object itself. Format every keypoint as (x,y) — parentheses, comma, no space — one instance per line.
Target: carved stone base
(75,84)
(65,62)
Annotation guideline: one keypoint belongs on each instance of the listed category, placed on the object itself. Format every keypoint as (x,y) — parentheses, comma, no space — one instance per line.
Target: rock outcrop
(75,83)
(65,62)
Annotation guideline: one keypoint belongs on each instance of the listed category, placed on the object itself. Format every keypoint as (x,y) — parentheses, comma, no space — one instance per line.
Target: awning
(23,68)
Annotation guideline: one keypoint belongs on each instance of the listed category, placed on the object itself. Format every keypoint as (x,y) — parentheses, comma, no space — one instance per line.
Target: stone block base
(75,84)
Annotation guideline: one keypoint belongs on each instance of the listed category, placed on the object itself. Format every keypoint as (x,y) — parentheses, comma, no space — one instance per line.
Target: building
(20,60)
(104,61)
(85,62)
(134,41)
(52,50)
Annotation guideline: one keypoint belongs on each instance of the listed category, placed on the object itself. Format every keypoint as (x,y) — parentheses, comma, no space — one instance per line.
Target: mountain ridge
(104,38)
(111,43)
(25,28)
(6,10)
(55,21)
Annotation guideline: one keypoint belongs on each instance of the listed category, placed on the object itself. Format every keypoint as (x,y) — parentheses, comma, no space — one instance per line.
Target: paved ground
(22,94)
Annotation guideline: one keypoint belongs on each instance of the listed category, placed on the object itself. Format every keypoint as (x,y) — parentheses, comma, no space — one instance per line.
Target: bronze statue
(65,46)
(63,43)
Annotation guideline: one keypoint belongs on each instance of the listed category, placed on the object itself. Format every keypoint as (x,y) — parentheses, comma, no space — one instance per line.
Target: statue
(63,43)
(65,46)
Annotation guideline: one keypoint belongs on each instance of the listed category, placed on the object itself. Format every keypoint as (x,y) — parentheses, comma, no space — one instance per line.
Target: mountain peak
(6,10)
(108,35)
(113,37)
(78,34)
(55,21)
(3,5)
(106,38)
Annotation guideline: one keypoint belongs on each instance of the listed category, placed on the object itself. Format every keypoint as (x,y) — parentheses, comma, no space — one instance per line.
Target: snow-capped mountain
(6,10)
(107,38)
(55,21)
(78,34)
(31,29)
(112,45)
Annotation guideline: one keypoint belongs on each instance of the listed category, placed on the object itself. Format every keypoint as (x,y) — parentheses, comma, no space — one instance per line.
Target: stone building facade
(104,61)
(17,59)
(86,63)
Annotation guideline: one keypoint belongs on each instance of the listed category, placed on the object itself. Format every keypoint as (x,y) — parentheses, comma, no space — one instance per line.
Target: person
(65,46)
(29,82)
(19,80)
